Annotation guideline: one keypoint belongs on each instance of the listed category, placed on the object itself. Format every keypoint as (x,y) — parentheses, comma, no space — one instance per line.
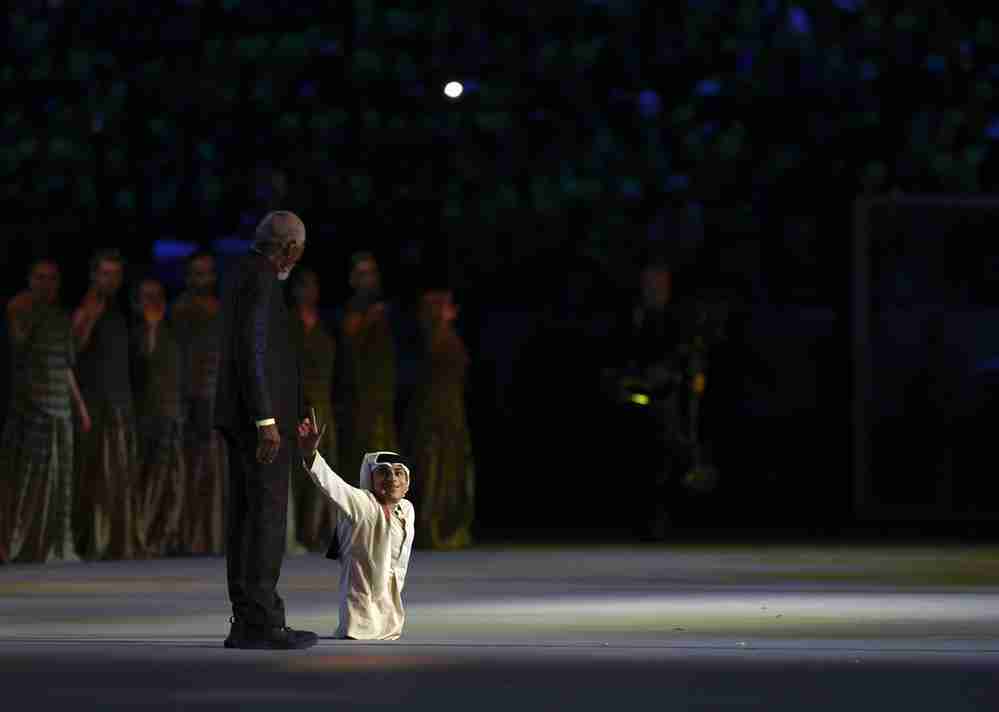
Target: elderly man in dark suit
(259,403)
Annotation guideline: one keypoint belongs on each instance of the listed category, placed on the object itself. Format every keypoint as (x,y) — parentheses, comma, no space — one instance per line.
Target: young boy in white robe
(374,534)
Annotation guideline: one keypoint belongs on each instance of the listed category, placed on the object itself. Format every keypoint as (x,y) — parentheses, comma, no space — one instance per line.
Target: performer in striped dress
(36,455)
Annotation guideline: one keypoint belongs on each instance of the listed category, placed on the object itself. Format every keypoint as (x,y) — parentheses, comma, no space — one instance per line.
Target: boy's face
(389,483)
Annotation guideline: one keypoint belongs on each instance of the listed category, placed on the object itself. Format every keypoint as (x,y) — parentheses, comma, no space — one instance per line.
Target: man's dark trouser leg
(255,532)
(672,456)
(653,429)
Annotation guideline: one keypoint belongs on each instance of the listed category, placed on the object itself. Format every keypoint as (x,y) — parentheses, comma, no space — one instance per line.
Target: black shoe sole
(265,645)
(269,644)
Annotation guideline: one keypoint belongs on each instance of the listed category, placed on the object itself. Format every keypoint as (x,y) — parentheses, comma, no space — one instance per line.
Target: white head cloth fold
(369,463)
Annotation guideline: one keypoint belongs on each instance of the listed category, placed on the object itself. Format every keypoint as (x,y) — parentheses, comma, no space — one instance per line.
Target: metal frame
(864,508)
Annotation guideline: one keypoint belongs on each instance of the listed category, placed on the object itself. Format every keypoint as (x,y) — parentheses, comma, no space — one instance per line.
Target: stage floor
(682,627)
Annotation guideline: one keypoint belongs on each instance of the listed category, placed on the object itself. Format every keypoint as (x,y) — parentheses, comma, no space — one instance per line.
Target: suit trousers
(256,519)
(657,433)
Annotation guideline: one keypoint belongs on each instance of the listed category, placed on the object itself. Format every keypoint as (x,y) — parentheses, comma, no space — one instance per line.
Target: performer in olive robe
(370,347)
(436,433)
(161,475)
(316,516)
(196,326)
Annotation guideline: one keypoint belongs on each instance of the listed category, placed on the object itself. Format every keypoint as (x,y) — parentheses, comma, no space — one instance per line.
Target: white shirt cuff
(266,421)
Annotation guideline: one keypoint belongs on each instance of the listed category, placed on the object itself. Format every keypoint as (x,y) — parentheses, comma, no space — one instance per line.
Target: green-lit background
(583,121)
(732,136)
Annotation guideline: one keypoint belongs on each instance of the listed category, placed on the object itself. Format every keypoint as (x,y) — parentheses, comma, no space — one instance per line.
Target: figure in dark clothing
(105,522)
(653,381)
(258,405)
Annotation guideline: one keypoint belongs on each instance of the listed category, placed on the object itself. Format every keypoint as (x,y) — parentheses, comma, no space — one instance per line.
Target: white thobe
(374,557)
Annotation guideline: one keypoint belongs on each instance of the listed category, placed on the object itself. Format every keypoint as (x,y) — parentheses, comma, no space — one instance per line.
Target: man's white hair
(276,231)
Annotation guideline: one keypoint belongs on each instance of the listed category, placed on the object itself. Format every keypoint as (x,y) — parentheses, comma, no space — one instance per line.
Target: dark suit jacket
(260,368)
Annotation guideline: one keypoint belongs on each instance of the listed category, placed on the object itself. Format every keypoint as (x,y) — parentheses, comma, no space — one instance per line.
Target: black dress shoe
(267,638)
(235,633)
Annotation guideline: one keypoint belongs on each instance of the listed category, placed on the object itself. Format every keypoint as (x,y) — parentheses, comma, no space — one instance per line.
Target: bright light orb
(453,89)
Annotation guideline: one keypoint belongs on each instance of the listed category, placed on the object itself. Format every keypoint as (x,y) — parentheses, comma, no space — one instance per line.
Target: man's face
(389,483)
(43,282)
(365,277)
(107,278)
(201,276)
(292,254)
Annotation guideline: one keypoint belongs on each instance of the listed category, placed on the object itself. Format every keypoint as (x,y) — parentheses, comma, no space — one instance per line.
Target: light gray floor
(677,627)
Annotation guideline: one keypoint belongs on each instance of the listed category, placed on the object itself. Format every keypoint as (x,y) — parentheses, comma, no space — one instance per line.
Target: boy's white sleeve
(350,500)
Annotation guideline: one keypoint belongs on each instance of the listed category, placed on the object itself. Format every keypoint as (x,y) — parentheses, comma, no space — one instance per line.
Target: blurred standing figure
(316,516)
(436,433)
(161,474)
(197,328)
(370,346)
(36,454)
(105,525)
(652,382)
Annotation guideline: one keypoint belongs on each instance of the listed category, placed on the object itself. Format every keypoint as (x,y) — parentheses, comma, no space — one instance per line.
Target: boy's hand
(309,435)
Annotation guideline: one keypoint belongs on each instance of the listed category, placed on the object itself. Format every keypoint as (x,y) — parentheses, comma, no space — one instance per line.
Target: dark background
(732,136)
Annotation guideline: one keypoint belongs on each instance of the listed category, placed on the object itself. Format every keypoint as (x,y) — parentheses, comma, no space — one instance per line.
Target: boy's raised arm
(350,500)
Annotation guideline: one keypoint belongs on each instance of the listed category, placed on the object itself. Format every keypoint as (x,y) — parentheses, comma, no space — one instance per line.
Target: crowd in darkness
(731,135)
(110,448)
(581,121)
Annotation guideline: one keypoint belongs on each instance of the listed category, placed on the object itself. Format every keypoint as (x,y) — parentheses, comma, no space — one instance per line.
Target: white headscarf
(369,463)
